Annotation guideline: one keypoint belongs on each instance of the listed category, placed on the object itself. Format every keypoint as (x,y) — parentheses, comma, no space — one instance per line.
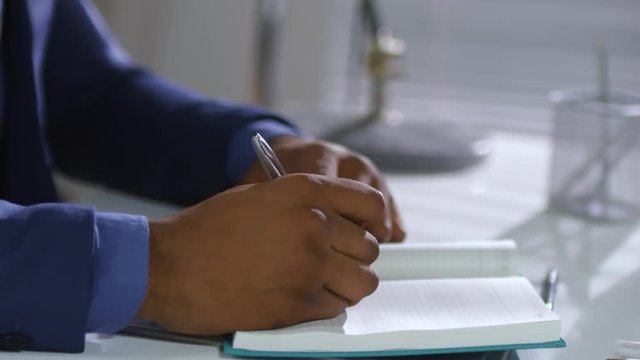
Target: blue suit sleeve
(112,122)
(66,270)
(46,273)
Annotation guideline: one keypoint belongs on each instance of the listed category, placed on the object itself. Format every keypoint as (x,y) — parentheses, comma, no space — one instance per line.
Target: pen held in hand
(267,158)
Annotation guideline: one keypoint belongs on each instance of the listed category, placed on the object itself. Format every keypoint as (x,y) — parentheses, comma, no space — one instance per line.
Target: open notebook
(433,298)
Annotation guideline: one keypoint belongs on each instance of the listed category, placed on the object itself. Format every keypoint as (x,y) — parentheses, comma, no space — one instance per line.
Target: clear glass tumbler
(595,168)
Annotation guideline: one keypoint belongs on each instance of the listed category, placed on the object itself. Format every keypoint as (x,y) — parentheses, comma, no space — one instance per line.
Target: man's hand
(264,256)
(320,157)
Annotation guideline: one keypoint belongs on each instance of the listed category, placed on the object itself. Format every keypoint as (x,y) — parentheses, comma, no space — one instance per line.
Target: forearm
(112,122)
(148,137)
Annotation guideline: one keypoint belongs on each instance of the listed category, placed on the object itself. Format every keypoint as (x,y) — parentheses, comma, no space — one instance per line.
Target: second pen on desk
(549,289)
(267,158)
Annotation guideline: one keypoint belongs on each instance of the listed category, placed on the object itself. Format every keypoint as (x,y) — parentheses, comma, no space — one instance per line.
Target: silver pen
(267,157)
(549,288)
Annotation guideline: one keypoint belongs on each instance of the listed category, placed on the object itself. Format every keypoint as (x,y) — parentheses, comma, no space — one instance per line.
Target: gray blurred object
(389,139)
(268,27)
(596,150)
(596,155)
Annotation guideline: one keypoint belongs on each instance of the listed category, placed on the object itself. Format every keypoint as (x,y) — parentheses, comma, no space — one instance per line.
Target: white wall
(208,45)
(504,54)
(204,45)
(314,35)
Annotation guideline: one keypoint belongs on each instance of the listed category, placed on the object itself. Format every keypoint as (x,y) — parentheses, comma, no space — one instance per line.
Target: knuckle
(354,161)
(371,280)
(297,180)
(313,227)
(368,248)
(316,149)
(314,221)
(373,248)
(378,202)
(368,283)
(358,163)
(305,183)
(362,160)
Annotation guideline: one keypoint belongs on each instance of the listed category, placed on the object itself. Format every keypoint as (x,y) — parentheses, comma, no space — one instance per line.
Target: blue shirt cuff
(241,154)
(121,265)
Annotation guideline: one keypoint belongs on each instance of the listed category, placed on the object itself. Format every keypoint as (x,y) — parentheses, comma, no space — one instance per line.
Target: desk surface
(502,198)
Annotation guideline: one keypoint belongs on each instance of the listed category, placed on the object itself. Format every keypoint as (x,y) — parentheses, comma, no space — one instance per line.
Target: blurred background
(486,63)
(489,62)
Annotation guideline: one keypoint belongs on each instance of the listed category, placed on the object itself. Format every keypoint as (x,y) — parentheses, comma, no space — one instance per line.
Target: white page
(446,260)
(445,304)
(422,314)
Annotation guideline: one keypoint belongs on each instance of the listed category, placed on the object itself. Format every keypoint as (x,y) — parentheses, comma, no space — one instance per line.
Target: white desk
(502,198)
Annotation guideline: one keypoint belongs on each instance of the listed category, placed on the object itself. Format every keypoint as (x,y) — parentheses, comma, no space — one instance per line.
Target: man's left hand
(299,155)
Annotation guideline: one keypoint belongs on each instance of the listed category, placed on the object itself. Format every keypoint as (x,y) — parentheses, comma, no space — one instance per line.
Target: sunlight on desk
(481,202)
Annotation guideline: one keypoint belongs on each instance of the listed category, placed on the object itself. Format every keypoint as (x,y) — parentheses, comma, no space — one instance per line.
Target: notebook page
(446,304)
(422,314)
(446,260)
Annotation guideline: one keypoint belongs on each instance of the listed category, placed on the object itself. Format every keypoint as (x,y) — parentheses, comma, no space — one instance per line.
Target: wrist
(149,308)
(120,270)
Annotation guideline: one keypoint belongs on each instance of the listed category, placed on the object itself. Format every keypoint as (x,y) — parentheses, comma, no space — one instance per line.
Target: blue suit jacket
(75,102)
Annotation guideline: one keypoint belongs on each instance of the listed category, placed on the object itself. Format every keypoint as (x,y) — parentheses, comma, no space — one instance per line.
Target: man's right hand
(264,256)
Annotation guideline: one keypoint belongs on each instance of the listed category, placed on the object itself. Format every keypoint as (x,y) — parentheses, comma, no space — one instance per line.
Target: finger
(320,166)
(353,167)
(350,279)
(314,158)
(352,240)
(397,227)
(385,218)
(353,200)
(359,168)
